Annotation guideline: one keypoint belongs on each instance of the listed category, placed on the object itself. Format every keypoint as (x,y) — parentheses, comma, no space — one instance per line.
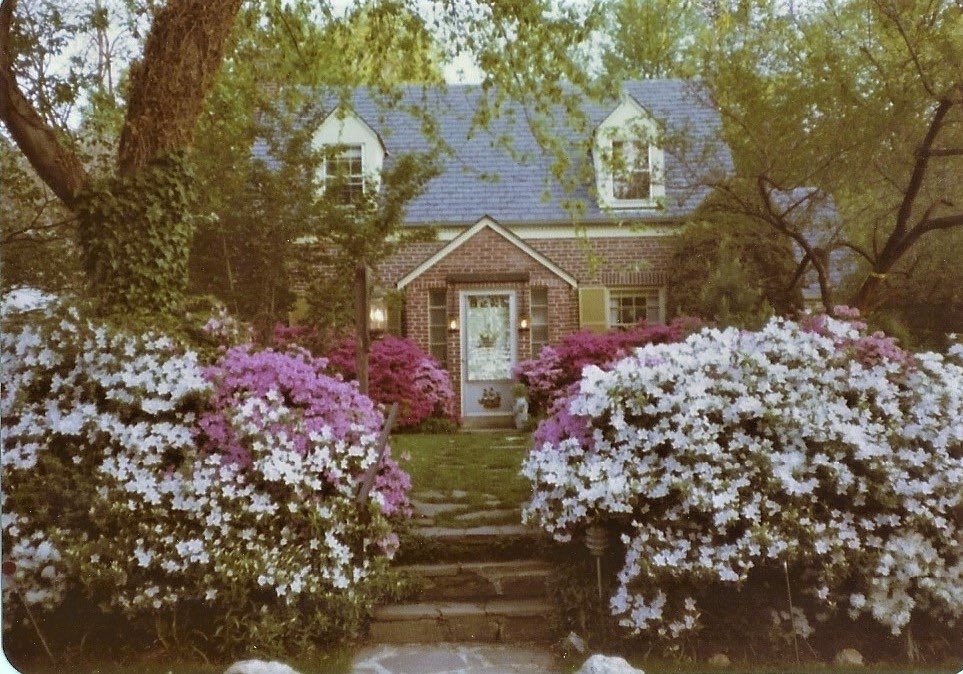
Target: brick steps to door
(481,599)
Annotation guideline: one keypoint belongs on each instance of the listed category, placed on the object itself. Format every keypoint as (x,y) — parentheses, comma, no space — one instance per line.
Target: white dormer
(355,150)
(629,160)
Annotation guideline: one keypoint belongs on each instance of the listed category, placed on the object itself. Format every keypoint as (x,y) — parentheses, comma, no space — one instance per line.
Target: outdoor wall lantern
(378,316)
(453,325)
(523,324)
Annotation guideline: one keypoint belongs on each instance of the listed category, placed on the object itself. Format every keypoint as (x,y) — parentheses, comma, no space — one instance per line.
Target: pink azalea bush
(399,371)
(300,384)
(549,376)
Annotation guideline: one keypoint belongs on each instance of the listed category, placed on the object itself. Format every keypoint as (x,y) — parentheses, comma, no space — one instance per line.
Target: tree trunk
(363,339)
(182,55)
(135,228)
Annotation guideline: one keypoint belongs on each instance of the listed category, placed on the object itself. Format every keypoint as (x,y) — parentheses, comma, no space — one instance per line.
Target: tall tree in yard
(134,225)
(862,99)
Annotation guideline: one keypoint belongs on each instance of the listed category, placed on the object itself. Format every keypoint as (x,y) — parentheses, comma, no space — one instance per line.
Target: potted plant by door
(520,407)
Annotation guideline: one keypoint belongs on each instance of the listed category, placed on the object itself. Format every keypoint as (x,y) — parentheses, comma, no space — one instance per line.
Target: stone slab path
(453,659)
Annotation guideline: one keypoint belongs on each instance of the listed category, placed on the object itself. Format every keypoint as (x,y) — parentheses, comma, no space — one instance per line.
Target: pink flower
(399,371)
(304,385)
(550,374)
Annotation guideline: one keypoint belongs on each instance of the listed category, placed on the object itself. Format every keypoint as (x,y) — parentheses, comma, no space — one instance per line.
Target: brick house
(520,260)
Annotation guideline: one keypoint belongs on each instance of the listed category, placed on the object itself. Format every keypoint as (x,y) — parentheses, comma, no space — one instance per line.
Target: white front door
(489,351)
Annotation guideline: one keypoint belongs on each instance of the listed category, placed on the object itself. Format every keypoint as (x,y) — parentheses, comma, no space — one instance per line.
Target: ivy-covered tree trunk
(136,226)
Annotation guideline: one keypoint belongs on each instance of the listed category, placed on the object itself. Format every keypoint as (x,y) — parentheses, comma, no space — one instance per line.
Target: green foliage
(730,297)
(841,97)
(249,255)
(36,231)
(732,272)
(653,38)
(925,293)
(135,233)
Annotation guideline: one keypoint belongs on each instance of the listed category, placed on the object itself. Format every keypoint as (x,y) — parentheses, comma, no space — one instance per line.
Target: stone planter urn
(520,412)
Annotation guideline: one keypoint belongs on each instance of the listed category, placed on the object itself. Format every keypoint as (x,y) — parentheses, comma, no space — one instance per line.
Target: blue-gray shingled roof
(517,186)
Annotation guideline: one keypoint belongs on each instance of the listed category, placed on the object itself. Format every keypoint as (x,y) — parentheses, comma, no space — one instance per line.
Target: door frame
(463,296)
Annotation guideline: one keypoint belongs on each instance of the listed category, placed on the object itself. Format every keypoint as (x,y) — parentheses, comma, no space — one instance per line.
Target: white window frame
(537,345)
(340,150)
(629,122)
(443,308)
(620,172)
(646,293)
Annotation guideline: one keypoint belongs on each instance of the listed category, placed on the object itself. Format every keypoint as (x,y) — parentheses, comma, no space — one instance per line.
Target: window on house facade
(628,306)
(344,173)
(438,325)
(538,303)
(631,171)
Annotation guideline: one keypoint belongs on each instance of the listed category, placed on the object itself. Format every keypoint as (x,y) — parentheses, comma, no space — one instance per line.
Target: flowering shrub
(81,405)
(549,376)
(818,446)
(290,396)
(151,483)
(399,371)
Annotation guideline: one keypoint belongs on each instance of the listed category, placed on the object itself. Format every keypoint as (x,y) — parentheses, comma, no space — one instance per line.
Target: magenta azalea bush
(549,376)
(399,371)
(298,383)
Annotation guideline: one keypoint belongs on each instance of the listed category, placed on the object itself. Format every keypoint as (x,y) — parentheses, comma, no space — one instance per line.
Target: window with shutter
(592,309)
(438,325)
(628,306)
(538,301)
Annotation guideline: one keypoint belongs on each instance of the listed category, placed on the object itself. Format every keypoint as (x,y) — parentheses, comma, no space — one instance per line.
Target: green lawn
(475,470)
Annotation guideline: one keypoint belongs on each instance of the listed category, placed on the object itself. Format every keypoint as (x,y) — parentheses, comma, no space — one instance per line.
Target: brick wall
(615,261)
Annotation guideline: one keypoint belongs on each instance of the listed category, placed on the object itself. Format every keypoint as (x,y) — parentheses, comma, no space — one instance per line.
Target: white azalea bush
(732,452)
(122,484)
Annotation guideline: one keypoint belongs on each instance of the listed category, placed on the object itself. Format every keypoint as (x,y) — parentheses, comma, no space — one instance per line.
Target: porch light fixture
(378,316)
(453,325)
(523,324)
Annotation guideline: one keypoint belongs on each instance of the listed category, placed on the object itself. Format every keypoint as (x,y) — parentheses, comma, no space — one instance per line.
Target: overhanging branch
(58,166)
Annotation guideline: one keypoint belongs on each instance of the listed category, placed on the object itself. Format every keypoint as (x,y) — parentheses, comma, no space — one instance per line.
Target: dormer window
(344,176)
(631,170)
(354,155)
(629,160)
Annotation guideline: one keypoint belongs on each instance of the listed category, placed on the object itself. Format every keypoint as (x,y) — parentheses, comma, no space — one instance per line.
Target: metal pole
(792,621)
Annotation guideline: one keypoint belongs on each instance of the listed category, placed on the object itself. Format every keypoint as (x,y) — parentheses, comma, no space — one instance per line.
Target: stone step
(520,579)
(503,620)
(473,544)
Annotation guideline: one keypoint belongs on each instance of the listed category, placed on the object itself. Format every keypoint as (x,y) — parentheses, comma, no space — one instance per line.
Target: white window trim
(365,178)
(662,296)
(343,127)
(628,122)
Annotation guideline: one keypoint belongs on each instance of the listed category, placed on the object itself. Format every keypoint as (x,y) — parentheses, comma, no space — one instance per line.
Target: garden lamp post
(595,541)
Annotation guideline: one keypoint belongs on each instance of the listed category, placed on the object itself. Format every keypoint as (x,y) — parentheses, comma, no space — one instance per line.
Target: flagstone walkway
(453,659)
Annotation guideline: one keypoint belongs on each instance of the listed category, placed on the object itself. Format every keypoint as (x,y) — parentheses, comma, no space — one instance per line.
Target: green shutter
(593,309)
(394,308)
